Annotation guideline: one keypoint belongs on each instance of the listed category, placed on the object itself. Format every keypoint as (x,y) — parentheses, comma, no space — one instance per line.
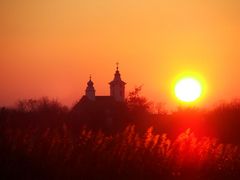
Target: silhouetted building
(102,111)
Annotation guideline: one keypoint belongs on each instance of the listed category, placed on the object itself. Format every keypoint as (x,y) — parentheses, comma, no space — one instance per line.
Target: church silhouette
(117,89)
(102,111)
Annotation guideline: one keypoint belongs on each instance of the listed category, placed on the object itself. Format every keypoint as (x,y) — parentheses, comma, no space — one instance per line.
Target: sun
(188,89)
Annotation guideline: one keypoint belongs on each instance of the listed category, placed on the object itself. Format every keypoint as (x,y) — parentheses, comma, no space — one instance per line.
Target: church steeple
(117,86)
(90,90)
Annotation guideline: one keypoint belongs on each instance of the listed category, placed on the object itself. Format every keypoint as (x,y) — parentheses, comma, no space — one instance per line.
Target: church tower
(117,87)
(90,91)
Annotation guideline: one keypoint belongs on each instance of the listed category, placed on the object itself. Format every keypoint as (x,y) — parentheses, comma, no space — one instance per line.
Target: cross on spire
(117,63)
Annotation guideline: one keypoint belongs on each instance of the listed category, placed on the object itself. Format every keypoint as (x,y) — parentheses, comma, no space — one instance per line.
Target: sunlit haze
(49,47)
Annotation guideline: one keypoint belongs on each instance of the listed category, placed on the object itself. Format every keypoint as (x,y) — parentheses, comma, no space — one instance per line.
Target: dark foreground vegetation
(38,142)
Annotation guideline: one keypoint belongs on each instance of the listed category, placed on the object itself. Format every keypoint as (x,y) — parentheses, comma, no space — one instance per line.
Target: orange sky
(49,47)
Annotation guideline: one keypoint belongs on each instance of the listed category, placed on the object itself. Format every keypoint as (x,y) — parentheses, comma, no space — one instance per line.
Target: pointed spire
(117,86)
(90,90)
(117,75)
(90,83)
(117,63)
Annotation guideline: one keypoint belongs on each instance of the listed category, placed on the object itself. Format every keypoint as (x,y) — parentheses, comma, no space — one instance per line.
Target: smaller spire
(90,90)
(117,63)
(90,83)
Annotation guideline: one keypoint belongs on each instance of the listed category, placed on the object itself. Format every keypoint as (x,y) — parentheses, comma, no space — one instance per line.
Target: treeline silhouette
(39,141)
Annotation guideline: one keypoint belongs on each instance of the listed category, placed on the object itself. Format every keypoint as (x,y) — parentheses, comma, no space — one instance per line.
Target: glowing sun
(188,89)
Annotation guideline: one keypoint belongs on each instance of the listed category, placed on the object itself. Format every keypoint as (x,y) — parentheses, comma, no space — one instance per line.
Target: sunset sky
(49,47)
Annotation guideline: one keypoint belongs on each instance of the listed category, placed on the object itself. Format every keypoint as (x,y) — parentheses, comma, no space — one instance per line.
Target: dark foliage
(38,141)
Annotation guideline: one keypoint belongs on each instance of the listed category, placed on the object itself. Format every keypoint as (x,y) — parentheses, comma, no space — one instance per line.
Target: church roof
(99,98)
(99,102)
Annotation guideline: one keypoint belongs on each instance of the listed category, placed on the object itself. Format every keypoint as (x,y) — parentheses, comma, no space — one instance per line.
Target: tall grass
(41,140)
(57,153)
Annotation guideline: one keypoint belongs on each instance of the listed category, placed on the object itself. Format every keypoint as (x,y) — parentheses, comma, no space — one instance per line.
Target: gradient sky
(49,47)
